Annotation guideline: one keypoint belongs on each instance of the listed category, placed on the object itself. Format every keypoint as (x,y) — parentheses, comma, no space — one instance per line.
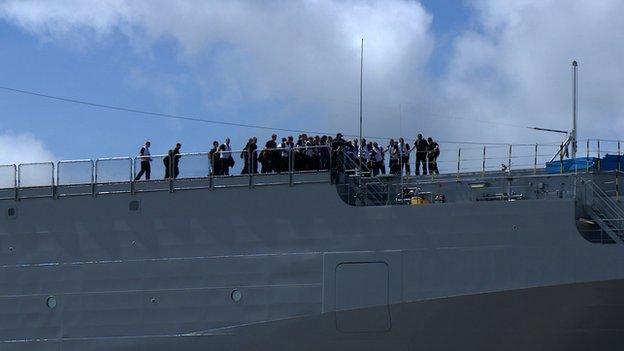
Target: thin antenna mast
(361,79)
(573,135)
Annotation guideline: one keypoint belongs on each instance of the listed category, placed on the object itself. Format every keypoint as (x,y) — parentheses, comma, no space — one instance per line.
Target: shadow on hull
(587,316)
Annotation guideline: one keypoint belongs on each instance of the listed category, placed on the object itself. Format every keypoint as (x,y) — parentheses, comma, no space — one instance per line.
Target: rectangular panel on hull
(362,297)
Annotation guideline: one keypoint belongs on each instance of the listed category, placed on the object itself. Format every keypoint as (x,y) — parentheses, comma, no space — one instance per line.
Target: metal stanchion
(617,173)
(587,160)
(291,167)
(598,146)
(483,164)
(509,164)
(535,161)
(458,163)
(509,177)
(132,175)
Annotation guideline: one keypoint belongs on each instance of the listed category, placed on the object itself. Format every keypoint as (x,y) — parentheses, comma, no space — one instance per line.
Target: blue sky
(437,66)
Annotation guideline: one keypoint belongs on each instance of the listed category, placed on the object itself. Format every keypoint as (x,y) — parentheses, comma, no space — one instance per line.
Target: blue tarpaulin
(607,163)
(572,165)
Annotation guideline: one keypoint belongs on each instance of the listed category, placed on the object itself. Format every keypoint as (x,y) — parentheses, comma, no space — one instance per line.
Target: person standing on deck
(146,167)
(395,168)
(378,160)
(176,160)
(215,161)
(433,152)
(404,152)
(172,161)
(420,145)
(254,155)
(225,154)
(284,153)
(245,156)
(271,155)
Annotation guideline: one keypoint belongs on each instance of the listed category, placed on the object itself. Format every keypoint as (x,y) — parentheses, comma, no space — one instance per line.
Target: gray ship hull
(312,272)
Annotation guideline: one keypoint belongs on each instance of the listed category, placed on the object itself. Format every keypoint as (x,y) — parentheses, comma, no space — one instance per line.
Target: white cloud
(24,148)
(511,66)
(244,51)
(514,66)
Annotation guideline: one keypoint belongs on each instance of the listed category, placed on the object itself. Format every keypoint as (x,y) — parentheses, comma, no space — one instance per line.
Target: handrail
(63,162)
(469,159)
(22,165)
(612,213)
(119,158)
(14,167)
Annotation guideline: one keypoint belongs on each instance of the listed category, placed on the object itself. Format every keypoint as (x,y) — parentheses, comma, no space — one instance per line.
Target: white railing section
(196,170)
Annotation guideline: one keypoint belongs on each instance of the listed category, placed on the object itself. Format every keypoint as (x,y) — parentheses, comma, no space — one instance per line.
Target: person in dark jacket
(433,152)
(271,156)
(172,162)
(421,145)
(245,156)
(215,160)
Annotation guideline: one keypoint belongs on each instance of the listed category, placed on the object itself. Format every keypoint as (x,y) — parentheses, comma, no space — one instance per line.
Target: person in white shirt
(225,153)
(284,147)
(144,155)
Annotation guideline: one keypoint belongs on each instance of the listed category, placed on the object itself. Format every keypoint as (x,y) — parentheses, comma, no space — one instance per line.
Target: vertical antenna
(361,79)
(574,106)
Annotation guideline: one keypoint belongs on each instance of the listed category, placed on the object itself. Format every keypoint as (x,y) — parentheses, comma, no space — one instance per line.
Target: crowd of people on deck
(307,153)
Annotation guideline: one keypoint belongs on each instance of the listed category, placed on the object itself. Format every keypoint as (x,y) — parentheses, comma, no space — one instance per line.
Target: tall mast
(361,79)
(573,135)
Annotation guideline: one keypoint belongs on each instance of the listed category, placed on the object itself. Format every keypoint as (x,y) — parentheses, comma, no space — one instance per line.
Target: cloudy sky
(474,70)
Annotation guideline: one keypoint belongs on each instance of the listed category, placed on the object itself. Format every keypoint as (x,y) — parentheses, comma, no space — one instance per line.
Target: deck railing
(196,170)
(116,174)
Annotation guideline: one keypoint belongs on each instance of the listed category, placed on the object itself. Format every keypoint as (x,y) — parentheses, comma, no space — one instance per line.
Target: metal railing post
(54,189)
(331,160)
(19,178)
(458,162)
(252,169)
(132,174)
(509,164)
(561,161)
(617,185)
(95,178)
(92,178)
(290,167)
(617,173)
(16,182)
(598,167)
(535,161)
(211,160)
(587,161)
(483,164)
(58,173)
(171,168)
(598,147)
